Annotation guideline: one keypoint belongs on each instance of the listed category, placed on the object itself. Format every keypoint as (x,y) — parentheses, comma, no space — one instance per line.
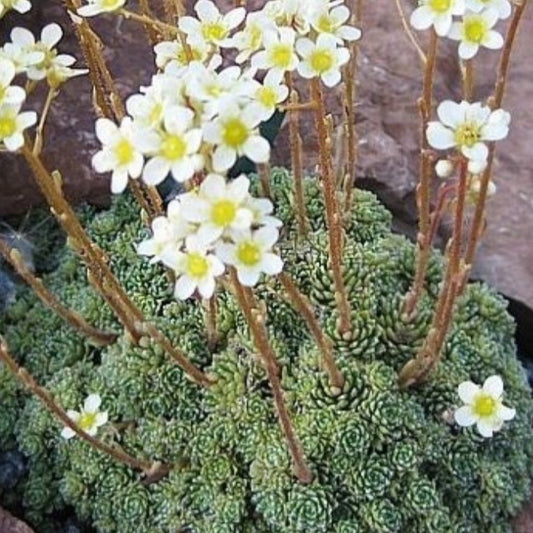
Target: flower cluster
(483,406)
(473,30)
(218,223)
(40,60)
(199,115)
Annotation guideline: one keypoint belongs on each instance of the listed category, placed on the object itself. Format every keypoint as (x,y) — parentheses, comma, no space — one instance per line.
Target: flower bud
(444,168)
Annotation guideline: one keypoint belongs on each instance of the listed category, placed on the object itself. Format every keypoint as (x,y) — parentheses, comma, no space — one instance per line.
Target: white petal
(15,142)
(119,181)
(440,137)
(257,149)
(493,40)
(51,35)
(422,18)
(493,386)
(467,391)
(238,188)
(106,130)
(266,237)
(184,288)
(26,119)
(234,17)
(456,32)
(468,50)
(73,415)
(506,413)
(22,37)
(156,170)
(478,152)
(349,33)
(135,168)
(7,72)
(485,428)
(183,170)
(68,433)
(443,24)
(451,113)
(92,403)
(207,11)
(90,10)
(224,158)
(464,416)
(331,78)
(226,253)
(206,287)
(213,187)
(304,47)
(101,419)
(102,162)
(248,276)
(272,264)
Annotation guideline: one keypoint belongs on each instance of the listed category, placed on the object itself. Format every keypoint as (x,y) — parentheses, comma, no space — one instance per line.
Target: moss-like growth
(384,460)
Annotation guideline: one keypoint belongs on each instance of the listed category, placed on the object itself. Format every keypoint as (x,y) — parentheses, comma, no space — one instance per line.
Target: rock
(9,524)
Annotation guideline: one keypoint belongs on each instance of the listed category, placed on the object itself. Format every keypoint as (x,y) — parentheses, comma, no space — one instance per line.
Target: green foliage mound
(384,460)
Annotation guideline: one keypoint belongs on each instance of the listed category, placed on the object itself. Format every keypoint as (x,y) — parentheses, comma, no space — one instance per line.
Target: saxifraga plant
(310,371)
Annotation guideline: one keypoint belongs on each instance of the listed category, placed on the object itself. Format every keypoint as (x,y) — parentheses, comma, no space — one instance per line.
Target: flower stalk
(302,304)
(13,257)
(423,191)
(99,272)
(151,468)
(256,323)
(332,210)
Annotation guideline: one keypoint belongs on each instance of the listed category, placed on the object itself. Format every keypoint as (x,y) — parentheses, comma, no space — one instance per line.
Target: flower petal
(493,386)
(92,403)
(440,137)
(464,416)
(467,391)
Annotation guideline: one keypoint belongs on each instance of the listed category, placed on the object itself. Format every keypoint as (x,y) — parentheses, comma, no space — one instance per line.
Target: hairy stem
(423,191)
(409,32)
(13,257)
(297,164)
(256,323)
(56,410)
(99,272)
(149,21)
(332,210)
(495,102)
(39,132)
(302,304)
(418,369)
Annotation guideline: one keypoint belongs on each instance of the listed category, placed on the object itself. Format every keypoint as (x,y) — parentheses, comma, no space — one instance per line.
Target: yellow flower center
(182,55)
(124,152)
(87,421)
(197,265)
(325,23)
(475,29)
(249,253)
(214,31)
(267,96)
(280,55)
(467,134)
(223,212)
(321,61)
(440,6)
(8,126)
(110,4)
(484,405)
(173,147)
(235,133)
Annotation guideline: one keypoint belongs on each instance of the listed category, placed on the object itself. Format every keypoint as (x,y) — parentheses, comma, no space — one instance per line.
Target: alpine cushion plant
(270,357)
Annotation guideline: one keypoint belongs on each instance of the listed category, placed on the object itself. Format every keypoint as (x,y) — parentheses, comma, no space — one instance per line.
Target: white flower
(119,154)
(22,6)
(333,22)
(216,90)
(12,125)
(322,59)
(250,39)
(262,209)
(173,149)
(268,95)
(251,254)
(483,406)
(89,419)
(477,166)
(172,54)
(437,13)
(21,50)
(211,25)
(95,7)
(219,207)
(444,168)
(467,127)
(235,133)
(148,107)
(168,235)
(197,270)
(293,13)
(279,53)
(475,30)
(51,65)
(9,94)
(503,7)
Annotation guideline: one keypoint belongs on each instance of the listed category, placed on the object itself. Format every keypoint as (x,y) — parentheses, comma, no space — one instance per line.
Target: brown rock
(9,524)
